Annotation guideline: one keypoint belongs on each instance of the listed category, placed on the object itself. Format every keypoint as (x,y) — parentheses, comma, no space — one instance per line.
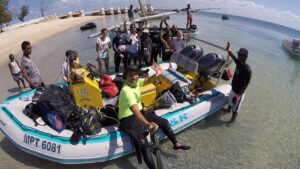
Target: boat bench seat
(172,76)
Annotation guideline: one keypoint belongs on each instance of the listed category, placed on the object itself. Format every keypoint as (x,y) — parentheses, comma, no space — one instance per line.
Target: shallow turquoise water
(266,133)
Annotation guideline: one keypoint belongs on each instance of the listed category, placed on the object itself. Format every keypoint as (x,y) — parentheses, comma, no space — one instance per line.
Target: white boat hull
(287,44)
(44,142)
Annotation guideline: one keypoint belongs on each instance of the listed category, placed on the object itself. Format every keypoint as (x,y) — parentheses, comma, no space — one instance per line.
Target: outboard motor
(192,51)
(193,27)
(210,64)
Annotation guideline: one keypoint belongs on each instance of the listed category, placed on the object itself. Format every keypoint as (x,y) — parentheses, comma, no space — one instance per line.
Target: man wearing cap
(240,81)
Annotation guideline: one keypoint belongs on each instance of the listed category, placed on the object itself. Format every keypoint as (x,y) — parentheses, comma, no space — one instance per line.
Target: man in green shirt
(133,119)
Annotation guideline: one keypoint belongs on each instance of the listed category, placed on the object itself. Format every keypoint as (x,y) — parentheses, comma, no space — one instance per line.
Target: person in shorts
(240,81)
(15,70)
(102,47)
(29,70)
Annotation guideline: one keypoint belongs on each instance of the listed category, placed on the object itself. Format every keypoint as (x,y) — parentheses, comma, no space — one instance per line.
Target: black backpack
(90,123)
(55,107)
(181,93)
(108,115)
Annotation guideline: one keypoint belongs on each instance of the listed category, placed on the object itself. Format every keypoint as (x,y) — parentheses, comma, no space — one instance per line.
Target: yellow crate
(189,76)
(86,93)
(203,83)
(148,94)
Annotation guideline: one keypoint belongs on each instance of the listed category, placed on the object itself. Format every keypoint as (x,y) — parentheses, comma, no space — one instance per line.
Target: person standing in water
(130,13)
(121,53)
(102,47)
(15,70)
(178,42)
(29,70)
(240,81)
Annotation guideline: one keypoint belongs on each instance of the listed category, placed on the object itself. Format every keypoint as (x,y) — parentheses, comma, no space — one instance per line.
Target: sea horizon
(287,28)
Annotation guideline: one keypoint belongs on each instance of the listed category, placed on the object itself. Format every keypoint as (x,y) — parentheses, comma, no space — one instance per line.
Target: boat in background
(225,17)
(141,19)
(292,46)
(109,11)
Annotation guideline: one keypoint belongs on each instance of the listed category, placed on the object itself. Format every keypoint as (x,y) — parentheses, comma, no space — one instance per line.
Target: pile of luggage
(54,106)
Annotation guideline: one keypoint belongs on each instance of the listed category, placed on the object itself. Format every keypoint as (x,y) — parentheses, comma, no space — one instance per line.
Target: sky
(283,12)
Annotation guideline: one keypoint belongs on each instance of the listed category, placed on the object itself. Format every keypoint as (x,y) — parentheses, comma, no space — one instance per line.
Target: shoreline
(10,40)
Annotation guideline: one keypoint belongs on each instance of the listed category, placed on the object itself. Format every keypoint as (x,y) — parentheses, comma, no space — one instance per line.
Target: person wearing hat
(119,47)
(240,81)
(133,120)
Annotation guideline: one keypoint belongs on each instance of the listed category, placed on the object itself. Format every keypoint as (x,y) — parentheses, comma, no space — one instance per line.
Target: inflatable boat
(110,143)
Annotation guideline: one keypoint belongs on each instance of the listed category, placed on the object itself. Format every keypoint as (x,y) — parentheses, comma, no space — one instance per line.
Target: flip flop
(183,147)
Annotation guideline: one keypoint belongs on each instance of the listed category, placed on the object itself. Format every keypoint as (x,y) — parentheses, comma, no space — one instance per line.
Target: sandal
(183,147)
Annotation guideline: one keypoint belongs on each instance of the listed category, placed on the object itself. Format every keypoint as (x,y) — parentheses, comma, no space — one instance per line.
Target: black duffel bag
(55,106)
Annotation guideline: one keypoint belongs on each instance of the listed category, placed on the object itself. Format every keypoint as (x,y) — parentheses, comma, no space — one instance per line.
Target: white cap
(146,31)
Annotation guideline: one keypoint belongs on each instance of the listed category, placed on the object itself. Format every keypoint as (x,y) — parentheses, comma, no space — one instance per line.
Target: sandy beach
(10,40)
(49,41)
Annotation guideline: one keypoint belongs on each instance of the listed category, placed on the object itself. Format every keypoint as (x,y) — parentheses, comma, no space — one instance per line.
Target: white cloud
(248,8)
(256,11)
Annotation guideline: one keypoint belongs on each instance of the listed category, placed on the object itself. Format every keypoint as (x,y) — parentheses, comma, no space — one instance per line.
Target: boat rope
(209,43)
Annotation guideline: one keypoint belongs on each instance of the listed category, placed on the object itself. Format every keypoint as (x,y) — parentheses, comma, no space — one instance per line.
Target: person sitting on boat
(29,70)
(178,42)
(119,47)
(145,48)
(240,81)
(15,70)
(133,120)
(102,47)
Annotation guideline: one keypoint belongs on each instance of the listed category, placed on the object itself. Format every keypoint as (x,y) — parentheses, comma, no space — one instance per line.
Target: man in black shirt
(119,47)
(240,81)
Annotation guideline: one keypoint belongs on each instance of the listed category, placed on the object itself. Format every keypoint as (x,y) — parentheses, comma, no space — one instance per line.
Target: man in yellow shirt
(133,119)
